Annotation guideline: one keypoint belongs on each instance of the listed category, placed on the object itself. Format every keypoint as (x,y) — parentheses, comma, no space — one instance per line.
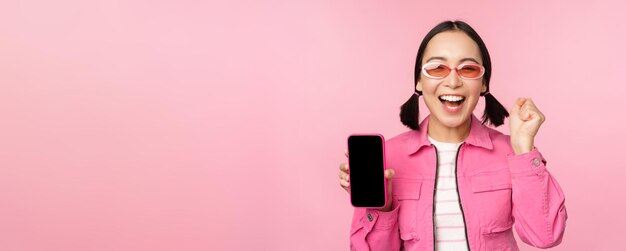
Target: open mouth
(452,100)
(452,103)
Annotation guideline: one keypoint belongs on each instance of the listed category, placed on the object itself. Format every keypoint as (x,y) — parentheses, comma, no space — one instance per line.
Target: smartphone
(366,162)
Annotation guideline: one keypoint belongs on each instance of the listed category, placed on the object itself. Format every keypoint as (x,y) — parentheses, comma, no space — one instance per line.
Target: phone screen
(367,170)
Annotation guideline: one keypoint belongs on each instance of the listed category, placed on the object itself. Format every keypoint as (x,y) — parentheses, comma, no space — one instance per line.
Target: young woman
(454,183)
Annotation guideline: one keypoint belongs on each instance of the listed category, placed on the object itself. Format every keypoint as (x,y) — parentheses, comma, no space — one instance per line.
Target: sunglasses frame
(456,69)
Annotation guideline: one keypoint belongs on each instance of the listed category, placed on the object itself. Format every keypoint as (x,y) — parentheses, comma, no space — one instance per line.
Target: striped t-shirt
(449,225)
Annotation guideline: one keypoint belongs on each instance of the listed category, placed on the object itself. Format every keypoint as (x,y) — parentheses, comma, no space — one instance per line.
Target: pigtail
(494,113)
(409,112)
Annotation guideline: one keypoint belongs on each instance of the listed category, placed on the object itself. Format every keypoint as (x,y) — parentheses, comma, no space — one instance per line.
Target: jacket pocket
(491,181)
(407,189)
(492,201)
(499,238)
(408,193)
(497,229)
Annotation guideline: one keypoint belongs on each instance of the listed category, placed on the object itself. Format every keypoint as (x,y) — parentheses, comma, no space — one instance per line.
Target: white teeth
(451,98)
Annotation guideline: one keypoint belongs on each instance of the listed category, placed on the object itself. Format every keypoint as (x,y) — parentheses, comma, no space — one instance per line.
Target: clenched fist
(524,122)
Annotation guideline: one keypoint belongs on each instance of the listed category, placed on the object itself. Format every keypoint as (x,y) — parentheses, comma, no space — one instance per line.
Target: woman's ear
(484,88)
(418,86)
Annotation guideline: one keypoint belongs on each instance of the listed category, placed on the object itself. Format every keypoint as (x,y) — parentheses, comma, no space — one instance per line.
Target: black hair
(494,111)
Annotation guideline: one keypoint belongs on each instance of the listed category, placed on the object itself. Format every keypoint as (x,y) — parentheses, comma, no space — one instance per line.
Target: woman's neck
(442,133)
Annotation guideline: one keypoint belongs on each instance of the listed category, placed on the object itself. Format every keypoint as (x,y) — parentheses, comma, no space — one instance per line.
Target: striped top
(449,225)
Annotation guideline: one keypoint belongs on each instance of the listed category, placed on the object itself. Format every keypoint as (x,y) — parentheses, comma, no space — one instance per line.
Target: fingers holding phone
(344,177)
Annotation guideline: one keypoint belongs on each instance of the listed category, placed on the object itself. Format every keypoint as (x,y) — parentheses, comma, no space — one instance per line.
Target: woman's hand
(344,181)
(524,122)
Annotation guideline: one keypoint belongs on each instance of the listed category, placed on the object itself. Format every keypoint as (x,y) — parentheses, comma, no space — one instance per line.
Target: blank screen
(367,174)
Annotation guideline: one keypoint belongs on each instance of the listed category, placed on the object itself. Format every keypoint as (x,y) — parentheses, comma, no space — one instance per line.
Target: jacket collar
(478,136)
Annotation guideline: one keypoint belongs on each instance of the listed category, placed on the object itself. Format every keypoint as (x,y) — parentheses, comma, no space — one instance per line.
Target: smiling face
(452,99)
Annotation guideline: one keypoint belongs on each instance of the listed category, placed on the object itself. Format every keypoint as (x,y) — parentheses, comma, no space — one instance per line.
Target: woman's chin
(452,120)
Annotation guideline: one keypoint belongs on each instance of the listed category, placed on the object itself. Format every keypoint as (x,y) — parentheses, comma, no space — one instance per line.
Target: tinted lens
(437,70)
(470,71)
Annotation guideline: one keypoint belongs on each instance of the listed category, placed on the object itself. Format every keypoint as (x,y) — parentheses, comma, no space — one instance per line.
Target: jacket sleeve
(538,201)
(375,230)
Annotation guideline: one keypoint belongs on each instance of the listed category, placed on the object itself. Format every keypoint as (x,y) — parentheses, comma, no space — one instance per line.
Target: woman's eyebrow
(460,61)
(469,59)
(433,58)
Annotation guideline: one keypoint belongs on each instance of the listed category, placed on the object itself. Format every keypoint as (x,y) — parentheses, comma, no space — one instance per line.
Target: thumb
(518,105)
(389,173)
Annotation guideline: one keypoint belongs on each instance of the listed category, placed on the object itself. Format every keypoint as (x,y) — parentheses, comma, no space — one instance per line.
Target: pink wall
(184,125)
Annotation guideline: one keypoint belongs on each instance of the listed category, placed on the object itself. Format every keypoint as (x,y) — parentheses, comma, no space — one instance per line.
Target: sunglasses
(465,71)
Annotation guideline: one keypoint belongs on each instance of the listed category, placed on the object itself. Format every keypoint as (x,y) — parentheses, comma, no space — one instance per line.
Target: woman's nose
(453,80)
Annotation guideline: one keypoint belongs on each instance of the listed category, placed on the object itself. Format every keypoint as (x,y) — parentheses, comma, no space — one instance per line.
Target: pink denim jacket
(497,190)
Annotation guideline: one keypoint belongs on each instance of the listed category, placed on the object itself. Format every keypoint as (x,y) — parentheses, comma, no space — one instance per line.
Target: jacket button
(369,217)
(536,162)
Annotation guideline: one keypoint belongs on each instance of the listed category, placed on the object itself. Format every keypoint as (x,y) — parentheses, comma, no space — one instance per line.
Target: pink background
(186,125)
